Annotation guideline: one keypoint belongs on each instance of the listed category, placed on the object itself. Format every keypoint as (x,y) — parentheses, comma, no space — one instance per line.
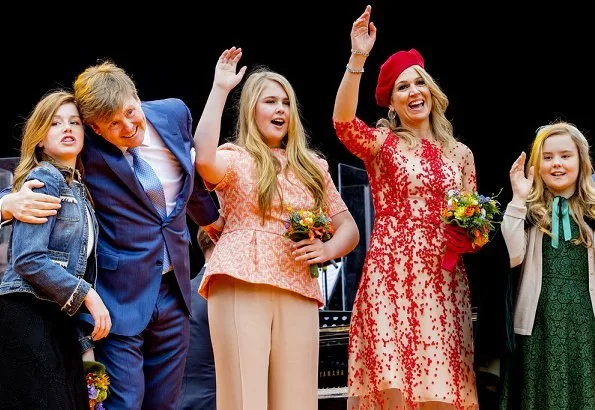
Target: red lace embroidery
(411,330)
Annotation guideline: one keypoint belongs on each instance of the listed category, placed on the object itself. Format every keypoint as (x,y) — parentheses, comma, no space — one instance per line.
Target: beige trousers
(265,343)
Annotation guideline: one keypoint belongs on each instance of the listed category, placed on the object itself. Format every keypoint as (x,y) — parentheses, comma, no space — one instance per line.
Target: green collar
(560,206)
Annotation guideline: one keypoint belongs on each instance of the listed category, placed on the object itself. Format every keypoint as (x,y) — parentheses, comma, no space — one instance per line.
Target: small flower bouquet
(97,384)
(473,212)
(303,224)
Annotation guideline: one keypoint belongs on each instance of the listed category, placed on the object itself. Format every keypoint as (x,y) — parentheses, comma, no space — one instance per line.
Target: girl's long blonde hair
(35,130)
(581,203)
(440,126)
(300,159)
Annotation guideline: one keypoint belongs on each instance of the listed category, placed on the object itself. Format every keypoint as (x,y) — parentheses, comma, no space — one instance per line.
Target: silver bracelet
(360,52)
(352,71)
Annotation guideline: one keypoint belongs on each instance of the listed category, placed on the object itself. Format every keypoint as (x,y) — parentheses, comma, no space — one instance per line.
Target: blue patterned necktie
(148,179)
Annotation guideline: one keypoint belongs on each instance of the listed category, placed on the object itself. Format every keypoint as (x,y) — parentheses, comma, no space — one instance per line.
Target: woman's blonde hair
(440,126)
(300,159)
(35,130)
(582,202)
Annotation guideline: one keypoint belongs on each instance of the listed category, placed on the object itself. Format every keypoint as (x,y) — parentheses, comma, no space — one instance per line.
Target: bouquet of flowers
(475,214)
(97,384)
(303,224)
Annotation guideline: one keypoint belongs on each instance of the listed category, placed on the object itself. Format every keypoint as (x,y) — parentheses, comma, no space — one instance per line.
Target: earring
(391,114)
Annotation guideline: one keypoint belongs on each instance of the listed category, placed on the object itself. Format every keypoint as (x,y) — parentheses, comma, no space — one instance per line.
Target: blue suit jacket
(131,232)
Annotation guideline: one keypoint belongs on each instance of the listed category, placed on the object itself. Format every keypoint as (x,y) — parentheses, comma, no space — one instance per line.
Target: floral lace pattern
(411,342)
(256,253)
(554,368)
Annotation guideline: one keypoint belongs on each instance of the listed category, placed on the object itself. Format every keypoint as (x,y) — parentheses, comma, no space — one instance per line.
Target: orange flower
(473,212)
(302,224)
(479,239)
(469,211)
(480,242)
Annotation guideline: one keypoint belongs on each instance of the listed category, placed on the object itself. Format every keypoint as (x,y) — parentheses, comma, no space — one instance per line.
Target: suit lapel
(170,135)
(118,163)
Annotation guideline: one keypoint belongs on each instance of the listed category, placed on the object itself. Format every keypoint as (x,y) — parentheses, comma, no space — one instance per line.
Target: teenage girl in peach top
(263,303)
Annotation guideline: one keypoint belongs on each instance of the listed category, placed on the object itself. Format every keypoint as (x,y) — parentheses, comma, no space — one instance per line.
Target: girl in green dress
(548,230)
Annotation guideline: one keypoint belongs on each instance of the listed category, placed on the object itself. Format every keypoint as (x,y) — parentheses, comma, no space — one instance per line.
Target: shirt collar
(149,133)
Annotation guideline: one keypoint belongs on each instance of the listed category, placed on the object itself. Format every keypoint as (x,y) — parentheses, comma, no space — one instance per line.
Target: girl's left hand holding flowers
(309,231)
(310,252)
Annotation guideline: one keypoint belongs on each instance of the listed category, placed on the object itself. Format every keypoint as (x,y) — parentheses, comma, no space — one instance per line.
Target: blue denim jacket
(49,260)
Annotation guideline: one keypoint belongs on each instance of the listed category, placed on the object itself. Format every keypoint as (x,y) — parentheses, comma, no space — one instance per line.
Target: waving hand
(225,70)
(521,185)
(363,32)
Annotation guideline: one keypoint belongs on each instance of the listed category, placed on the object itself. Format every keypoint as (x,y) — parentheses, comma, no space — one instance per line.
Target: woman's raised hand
(226,76)
(363,32)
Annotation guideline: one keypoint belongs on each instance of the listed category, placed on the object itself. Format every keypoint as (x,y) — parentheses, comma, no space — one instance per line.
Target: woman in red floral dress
(411,342)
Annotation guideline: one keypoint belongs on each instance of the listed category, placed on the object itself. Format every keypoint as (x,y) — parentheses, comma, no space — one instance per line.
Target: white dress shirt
(164,163)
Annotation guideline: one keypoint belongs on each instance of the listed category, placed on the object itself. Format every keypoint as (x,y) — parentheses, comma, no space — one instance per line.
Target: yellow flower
(446,213)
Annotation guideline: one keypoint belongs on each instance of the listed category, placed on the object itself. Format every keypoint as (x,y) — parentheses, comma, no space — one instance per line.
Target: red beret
(391,70)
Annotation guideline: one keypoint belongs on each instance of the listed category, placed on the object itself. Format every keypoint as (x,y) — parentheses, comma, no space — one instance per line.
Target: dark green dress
(554,368)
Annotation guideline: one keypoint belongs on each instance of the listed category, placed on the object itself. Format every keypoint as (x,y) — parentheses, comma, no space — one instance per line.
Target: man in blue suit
(143,246)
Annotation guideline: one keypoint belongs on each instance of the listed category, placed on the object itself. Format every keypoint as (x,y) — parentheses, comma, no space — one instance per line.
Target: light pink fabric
(259,253)
(265,343)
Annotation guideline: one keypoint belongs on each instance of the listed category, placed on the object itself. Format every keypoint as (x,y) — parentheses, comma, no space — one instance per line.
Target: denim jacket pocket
(69,210)
(59,258)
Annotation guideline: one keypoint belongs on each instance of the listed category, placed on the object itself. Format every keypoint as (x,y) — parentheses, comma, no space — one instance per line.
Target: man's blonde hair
(101,90)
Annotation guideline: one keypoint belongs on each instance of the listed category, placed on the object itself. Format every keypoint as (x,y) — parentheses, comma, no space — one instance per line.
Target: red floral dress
(411,341)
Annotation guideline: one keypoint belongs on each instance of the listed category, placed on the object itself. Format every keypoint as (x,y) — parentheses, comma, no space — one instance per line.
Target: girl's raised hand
(521,185)
(226,76)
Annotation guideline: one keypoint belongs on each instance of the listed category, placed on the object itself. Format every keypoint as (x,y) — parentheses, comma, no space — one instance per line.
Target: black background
(505,71)
(507,67)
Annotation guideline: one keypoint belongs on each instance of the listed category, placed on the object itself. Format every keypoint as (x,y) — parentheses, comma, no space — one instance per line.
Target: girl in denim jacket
(51,270)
